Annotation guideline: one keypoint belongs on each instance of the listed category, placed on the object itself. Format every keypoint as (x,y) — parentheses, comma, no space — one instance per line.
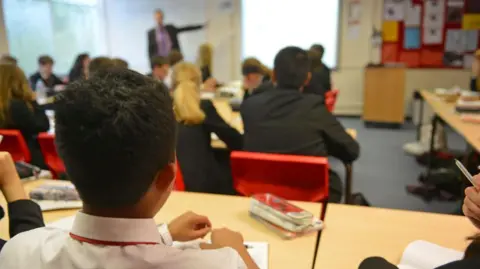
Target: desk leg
(435,121)
(420,121)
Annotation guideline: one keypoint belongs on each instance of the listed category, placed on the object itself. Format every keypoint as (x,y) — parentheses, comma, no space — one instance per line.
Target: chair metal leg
(348,183)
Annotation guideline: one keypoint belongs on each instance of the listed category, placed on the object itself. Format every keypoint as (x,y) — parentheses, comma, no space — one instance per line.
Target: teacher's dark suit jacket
(173,32)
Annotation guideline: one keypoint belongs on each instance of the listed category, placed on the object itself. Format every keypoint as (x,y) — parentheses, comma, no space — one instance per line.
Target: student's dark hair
(99,64)
(8,59)
(319,48)
(158,61)
(117,62)
(77,69)
(291,67)
(315,60)
(45,59)
(114,131)
(174,57)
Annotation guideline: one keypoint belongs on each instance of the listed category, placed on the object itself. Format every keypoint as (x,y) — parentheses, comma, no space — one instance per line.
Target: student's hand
(471,204)
(10,184)
(189,226)
(210,85)
(227,238)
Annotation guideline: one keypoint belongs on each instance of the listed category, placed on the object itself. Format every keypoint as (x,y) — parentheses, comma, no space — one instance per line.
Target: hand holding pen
(471,204)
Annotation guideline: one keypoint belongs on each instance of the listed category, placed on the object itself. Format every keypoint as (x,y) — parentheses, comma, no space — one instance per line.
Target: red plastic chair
(14,143)
(292,177)
(331,99)
(179,184)
(50,155)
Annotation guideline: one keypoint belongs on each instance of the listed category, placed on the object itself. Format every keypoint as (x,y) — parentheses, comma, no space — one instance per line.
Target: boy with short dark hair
(286,121)
(99,64)
(45,74)
(160,68)
(116,135)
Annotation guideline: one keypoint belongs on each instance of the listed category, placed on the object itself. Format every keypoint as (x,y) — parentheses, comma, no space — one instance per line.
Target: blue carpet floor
(383,169)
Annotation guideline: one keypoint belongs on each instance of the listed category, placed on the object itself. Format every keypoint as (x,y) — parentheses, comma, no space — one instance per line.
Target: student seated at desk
(19,110)
(320,75)
(116,135)
(23,213)
(45,75)
(174,57)
(255,74)
(80,68)
(99,64)
(160,68)
(286,121)
(197,120)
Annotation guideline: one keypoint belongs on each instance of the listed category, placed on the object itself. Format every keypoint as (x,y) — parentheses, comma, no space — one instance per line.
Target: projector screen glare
(270,25)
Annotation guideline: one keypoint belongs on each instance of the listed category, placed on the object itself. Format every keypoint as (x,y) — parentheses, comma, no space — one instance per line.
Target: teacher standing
(164,38)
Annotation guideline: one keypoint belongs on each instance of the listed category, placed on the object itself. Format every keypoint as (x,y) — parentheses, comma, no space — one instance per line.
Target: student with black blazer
(286,121)
(45,74)
(320,81)
(197,120)
(164,38)
(21,111)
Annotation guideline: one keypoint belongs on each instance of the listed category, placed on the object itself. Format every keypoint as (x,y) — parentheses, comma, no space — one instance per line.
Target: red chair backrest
(179,184)
(50,155)
(14,143)
(331,99)
(292,177)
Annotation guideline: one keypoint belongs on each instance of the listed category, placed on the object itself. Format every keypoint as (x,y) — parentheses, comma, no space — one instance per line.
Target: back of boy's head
(291,67)
(115,132)
(174,57)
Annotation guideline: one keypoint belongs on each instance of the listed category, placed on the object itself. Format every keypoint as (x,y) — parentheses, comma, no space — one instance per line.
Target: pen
(465,172)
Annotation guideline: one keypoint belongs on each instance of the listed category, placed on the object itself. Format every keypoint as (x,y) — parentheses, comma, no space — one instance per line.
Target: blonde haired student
(197,120)
(116,134)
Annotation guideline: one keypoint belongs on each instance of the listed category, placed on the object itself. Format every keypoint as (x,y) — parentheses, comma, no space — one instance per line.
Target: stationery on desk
(425,255)
(56,195)
(257,250)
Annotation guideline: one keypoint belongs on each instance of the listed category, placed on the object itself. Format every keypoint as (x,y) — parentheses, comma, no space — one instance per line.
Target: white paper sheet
(455,41)
(425,255)
(471,40)
(394,10)
(434,13)
(432,35)
(412,15)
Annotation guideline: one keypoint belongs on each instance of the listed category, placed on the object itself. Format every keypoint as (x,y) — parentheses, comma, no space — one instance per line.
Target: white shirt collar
(116,229)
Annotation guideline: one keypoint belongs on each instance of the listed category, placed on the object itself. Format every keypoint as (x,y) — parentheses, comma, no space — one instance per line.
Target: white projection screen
(270,25)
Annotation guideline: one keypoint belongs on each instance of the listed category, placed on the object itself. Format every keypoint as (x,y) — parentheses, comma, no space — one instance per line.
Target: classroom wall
(353,55)
(3,33)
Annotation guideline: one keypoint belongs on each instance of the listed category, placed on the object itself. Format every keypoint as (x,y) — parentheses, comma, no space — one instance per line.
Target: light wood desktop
(223,211)
(353,233)
(446,111)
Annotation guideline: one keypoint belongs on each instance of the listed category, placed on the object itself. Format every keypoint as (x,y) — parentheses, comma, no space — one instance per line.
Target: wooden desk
(446,111)
(223,211)
(353,233)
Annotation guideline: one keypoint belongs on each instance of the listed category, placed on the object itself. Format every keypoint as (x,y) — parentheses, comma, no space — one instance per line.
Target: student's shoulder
(35,76)
(207,105)
(29,241)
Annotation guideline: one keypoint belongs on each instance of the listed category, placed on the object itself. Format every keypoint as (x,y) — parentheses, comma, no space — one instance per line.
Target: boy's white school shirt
(127,244)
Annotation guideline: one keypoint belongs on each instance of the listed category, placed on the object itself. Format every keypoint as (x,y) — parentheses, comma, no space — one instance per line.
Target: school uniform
(23,215)
(29,122)
(381,263)
(109,243)
(320,81)
(473,84)
(285,121)
(49,83)
(200,169)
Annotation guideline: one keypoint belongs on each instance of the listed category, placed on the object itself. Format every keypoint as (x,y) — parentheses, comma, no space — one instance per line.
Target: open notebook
(425,255)
(258,250)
